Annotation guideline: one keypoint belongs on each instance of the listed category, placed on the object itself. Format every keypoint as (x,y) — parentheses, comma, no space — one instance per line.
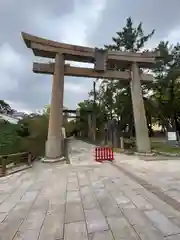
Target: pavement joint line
(151,188)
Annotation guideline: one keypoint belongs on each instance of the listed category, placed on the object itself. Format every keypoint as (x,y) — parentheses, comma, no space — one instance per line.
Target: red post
(99,154)
(112,155)
(108,153)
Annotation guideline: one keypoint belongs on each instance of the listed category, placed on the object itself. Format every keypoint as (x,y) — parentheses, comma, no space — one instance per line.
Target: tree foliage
(5,108)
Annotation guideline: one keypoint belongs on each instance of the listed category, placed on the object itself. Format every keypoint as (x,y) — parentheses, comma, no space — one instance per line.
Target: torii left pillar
(54,149)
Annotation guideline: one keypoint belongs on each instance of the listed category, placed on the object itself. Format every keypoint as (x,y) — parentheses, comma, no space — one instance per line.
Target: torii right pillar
(141,129)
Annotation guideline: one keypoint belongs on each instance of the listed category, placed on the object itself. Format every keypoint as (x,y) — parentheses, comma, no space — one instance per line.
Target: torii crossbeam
(102,59)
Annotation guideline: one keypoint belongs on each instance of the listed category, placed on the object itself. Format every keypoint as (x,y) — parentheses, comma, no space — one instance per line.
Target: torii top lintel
(48,48)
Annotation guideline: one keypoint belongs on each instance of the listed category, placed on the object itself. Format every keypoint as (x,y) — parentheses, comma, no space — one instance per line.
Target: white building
(9,118)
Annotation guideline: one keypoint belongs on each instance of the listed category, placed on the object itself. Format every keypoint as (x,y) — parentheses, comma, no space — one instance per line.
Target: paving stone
(93,177)
(107,204)
(174,237)
(31,226)
(83,179)
(97,184)
(29,196)
(10,225)
(10,203)
(52,227)
(95,220)
(84,182)
(56,208)
(138,200)
(105,235)
(119,197)
(74,212)
(126,205)
(28,235)
(73,196)
(72,174)
(75,231)
(162,223)
(121,229)
(3,196)
(32,213)
(142,225)
(89,201)
(72,186)
(86,190)
(58,200)
(160,205)
(110,186)
(2,216)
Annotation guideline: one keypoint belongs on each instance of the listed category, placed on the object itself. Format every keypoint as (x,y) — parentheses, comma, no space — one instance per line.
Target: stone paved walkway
(162,174)
(85,200)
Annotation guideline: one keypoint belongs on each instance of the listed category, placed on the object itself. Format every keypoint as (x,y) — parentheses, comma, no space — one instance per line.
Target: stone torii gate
(102,59)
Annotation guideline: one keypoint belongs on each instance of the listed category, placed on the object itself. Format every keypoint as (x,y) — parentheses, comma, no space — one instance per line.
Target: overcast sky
(85,22)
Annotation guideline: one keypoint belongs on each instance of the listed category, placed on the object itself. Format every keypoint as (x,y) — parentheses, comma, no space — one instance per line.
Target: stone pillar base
(53,148)
(48,160)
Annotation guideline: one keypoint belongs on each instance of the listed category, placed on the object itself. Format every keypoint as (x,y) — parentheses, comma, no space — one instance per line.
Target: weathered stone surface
(174,237)
(73,196)
(2,216)
(74,212)
(3,197)
(72,186)
(44,201)
(13,199)
(121,229)
(162,223)
(10,225)
(31,226)
(138,200)
(86,190)
(52,227)
(95,220)
(75,231)
(142,225)
(89,201)
(83,180)
(105,235)
(107,204)
(119,197)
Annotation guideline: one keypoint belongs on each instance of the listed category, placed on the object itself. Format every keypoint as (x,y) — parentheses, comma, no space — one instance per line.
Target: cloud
(162,15)
(65,20)
(84,22)
(174,36)
(75,88)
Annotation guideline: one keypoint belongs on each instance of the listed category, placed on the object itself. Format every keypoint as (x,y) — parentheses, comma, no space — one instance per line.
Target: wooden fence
(14,160)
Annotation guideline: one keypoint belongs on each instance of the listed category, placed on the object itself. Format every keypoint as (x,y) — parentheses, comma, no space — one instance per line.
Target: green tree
(116,95)
(5,108)
(130,38)
(166,88)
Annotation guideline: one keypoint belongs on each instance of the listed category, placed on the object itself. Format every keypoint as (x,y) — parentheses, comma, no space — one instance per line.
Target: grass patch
(129,145)
(118,150)
(164,147)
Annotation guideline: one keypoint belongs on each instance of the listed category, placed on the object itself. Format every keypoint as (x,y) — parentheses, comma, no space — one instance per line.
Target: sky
(84,22)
